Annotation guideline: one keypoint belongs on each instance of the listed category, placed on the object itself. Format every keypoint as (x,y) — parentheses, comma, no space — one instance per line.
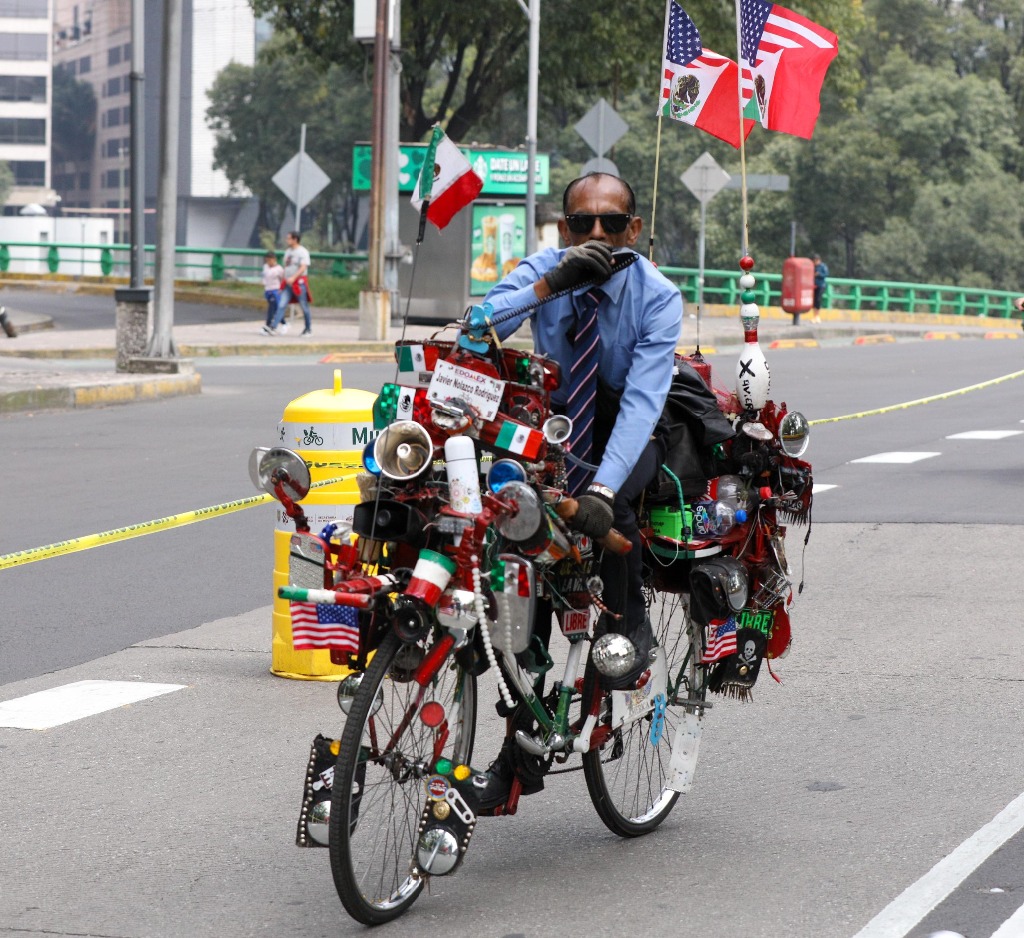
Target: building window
(23,88)
(84,64)
(113,117)
(26,130)
(112,87)
(84,181)
(24,9)
(24,47)
(114,55)
(126,114)
(28,172)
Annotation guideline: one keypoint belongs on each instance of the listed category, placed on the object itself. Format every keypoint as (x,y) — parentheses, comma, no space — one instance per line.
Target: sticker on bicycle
(481,392)
(437,787)
(658,719)
(575,621)
(758,619)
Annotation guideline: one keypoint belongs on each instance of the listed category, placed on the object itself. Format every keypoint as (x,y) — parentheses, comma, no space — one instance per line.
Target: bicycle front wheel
(628,773)
(390,744)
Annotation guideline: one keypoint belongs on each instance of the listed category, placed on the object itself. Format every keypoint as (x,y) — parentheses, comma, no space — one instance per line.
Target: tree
(256,113)
(74,118)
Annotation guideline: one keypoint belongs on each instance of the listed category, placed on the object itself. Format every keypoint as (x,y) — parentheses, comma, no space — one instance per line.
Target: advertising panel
(498,243)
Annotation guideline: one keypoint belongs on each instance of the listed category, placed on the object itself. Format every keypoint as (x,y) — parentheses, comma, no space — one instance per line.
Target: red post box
(797,284)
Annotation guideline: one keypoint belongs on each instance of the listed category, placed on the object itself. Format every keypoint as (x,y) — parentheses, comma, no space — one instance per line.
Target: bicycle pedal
(531,745)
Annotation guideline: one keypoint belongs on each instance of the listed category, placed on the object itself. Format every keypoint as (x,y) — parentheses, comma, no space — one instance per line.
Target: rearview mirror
(269,468)
(794,434)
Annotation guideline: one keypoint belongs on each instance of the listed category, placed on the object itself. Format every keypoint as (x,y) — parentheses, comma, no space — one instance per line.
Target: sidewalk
(37,368)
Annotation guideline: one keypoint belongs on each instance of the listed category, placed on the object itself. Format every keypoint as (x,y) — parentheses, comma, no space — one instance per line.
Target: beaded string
(485,632)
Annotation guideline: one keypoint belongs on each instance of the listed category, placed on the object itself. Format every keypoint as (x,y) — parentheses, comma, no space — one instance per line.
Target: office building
(25,67)
(92,42)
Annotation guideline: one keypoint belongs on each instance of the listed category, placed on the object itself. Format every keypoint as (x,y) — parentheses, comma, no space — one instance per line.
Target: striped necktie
(579,406)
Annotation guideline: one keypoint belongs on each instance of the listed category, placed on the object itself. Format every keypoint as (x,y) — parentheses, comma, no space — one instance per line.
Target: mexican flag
(783,58)
(454,184)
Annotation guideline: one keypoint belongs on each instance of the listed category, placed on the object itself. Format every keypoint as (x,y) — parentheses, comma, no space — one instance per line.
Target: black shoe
(499,776)
(643,638)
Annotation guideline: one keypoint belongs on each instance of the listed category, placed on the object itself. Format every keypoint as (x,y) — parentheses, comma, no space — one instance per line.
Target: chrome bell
(614,655)
(347,689)
(318,824)
(437,851)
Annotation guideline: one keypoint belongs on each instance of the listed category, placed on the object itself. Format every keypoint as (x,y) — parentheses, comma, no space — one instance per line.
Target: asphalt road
(890,742)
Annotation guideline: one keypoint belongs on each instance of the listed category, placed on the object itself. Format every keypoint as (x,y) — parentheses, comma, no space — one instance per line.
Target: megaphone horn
(557,429)
(403,450)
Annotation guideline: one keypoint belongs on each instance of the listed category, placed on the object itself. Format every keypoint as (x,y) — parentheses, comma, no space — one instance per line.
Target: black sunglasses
(611,222)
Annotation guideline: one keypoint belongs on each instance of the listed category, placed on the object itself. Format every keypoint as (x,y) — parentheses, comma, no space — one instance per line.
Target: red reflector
(432,714)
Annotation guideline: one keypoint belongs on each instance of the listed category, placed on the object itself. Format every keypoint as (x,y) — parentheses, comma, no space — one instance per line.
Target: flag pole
(654,197)
(744,238)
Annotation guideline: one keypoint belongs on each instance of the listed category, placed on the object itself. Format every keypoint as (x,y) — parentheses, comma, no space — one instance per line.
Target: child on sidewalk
(273,274)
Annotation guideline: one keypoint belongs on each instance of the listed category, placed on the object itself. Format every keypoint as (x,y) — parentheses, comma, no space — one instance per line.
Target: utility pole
(374,302)
(533,13)
(161,344)
(133,303)
(392,241)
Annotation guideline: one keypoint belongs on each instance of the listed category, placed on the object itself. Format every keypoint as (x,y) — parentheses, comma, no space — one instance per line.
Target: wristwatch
(602,490)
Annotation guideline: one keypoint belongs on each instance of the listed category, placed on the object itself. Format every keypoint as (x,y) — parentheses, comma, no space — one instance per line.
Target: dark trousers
(623,576)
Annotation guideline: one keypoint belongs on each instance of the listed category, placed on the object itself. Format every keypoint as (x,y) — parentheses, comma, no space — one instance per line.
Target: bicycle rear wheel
(628,773)
(388,747)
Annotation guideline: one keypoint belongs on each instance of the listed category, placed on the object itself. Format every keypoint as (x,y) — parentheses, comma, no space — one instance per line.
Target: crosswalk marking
(822,487)
(984,435)
(896,457)
(59,705)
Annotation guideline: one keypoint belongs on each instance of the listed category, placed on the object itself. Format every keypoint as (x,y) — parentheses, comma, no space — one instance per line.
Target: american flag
(767,32)
(316,625)
(682,44)
(721,640)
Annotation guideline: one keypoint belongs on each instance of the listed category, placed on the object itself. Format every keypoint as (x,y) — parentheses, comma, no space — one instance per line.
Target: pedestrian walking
(273,274)
(820,279)
(295,286)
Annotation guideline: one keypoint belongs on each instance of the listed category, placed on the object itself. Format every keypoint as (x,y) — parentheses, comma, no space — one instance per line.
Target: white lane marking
(822,487)
(984,435)
(59,705)
(896,457)
(918,899)
(1013,927)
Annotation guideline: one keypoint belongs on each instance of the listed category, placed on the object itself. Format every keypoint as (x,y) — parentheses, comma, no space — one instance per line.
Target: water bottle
(736,491)
(713,518)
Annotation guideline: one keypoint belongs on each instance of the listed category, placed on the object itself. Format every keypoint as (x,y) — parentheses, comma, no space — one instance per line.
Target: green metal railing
(721,286)
(193,263)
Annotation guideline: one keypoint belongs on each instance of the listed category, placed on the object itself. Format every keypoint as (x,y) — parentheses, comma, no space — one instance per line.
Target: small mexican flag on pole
(447,183)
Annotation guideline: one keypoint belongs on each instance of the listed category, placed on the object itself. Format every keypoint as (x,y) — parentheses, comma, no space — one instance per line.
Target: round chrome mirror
(794,434)
(255,458)
(282,466)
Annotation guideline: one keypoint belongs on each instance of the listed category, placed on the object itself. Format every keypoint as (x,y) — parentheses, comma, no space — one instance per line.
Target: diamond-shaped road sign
(705,178)
(314,179)
(601,127)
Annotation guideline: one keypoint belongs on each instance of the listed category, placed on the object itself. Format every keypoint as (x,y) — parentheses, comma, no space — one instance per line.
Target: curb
(71,397)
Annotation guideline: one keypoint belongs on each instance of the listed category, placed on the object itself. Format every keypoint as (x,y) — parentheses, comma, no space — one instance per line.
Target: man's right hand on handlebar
(581,263)
(594,513)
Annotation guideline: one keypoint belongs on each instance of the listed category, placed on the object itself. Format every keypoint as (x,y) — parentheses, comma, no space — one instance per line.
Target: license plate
(758,619)
(575,621)
(482,392)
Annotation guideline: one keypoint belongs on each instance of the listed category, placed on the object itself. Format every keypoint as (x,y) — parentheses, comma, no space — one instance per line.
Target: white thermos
(463,475)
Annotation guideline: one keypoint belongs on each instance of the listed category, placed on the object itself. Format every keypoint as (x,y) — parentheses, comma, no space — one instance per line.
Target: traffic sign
(601,127)
(705,178)
(301,171)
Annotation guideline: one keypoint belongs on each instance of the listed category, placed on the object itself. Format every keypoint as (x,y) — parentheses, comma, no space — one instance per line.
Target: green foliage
(914,171)
(256,113)
(6,181)
(74,117)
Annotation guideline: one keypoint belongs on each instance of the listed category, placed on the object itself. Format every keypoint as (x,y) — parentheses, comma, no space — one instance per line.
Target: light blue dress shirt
(639,320)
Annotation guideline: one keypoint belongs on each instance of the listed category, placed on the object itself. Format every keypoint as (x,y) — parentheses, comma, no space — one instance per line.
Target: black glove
(581,263)
(594,515)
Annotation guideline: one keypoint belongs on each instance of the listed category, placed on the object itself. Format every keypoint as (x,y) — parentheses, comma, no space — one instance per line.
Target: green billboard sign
(502,171)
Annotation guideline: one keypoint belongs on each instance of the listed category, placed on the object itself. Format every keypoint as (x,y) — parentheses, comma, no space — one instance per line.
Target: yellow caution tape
(920,400)
(20,557)
(32,554)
